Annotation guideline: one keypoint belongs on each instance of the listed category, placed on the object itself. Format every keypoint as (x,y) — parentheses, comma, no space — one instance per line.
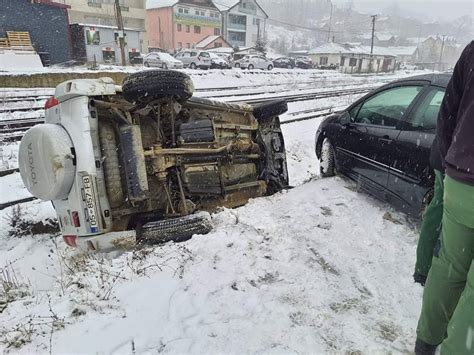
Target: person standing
(447,315)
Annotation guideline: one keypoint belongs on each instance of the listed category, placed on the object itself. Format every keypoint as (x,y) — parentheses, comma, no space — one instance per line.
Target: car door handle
(385,139)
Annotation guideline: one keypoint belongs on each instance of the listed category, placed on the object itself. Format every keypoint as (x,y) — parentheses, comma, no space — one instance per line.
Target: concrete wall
(48,26)
(252,29)
(19,60)
(51,80)
(133,13)
(363,64)
(332,58)
(163,23)
(159,27)
(108,43)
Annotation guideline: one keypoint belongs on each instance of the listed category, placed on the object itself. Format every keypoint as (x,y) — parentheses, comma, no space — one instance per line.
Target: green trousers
(447,314)
(430,228)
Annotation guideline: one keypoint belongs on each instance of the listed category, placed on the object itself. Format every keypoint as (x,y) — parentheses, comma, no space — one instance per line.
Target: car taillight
(75,219)
(70,240)
(51,102)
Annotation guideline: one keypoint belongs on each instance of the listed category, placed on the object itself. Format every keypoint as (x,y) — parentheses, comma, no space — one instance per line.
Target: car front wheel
(250,67)
(146,64)
(270,67)
(327,165)
(193,66)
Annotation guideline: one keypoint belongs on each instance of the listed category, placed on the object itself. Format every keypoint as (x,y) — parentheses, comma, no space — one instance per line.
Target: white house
(354,58)
(243,21)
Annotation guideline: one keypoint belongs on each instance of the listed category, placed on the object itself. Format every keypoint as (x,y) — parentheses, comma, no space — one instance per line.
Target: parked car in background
(284,62)
(256,62)
(162,60)
(137,59)
(304,62)
(326,66)
(194,58)
(218,62)
(383,141)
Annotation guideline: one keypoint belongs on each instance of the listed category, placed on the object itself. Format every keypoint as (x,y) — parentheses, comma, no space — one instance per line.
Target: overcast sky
(433,9)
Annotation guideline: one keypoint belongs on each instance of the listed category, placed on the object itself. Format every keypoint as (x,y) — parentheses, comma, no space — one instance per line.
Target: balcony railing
(236,26)
(94,4)
(189,19)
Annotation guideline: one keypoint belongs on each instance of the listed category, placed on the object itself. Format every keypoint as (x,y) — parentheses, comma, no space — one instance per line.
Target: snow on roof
(335,48)
(206,41)
(331,47)
(224,5)
(154,4)
(384,36)
(407,50)
(226,50)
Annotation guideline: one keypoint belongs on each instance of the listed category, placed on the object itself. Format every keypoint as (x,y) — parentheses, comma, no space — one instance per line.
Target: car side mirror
(345,118)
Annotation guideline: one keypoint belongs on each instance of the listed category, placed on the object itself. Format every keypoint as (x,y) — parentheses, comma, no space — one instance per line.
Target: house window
(188,45)
(203,13)
(217,44)
(188,28)
(93,37)
(217,31)
(343,61)
(197,29)
(180,10)
(352,62)
(179,27)
(180,44)
(108,55)
(323,60)
(186,11)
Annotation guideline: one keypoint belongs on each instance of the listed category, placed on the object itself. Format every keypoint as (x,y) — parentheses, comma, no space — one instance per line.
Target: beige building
(101,12)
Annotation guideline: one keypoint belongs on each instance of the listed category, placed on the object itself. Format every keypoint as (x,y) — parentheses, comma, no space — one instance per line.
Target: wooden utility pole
(330,22)
(121,32)
(441,53)
(372,42)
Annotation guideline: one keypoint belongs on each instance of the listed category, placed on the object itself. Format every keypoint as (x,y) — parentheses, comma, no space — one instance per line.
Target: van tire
(148,85)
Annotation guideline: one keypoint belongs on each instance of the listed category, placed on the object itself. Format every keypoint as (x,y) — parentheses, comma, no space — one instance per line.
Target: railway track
(13,129)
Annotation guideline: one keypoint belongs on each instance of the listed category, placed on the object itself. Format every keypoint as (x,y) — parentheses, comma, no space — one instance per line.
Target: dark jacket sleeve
(449,108)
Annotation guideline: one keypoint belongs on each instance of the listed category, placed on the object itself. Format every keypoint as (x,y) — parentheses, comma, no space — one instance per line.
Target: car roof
(441,79)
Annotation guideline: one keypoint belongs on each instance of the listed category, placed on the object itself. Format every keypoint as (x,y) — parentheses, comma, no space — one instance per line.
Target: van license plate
(90,203)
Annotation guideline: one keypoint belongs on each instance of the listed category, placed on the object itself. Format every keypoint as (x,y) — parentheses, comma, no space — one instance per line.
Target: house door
(386,64)
(360,66)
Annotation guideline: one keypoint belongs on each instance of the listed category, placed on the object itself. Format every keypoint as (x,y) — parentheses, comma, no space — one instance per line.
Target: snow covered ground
(318,268)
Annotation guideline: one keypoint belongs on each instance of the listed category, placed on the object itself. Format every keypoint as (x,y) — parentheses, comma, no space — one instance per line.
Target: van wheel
(270,67)
(273,166)
(193,66)
(148,85)
(327,162)
(250,67)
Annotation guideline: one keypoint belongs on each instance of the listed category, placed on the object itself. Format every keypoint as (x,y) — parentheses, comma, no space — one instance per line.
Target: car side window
(425,116)
(194,54)
(387,107)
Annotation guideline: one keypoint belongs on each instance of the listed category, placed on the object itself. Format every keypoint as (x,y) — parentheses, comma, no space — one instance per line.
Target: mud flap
(175,229)
(134,163)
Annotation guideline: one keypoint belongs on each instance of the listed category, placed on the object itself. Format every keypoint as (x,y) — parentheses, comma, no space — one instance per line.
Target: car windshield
(167,57)
(204,54)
